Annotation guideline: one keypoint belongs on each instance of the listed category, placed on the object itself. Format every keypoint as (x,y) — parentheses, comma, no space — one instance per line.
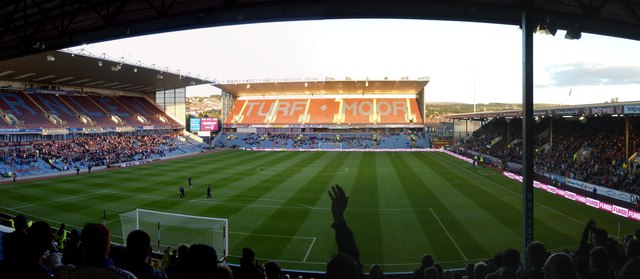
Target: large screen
(194,124)
(208,124)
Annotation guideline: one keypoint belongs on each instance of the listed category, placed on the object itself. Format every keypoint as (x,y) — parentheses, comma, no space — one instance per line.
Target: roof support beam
(528,27)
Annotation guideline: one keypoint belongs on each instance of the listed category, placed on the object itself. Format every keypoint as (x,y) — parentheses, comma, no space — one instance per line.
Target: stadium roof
(32,26)
(606,109)
(70,69)
(325,87)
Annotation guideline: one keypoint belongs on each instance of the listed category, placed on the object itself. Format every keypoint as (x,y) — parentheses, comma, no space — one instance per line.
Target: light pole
(474,86)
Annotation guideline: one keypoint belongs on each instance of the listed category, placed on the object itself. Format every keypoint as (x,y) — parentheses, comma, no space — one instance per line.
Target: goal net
(171,230)
(330,145)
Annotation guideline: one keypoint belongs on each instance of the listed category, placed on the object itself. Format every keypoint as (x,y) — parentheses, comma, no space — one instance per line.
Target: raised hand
(339,201)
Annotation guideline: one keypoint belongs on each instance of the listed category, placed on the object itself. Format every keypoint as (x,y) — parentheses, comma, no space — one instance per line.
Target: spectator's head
(375,272)
(40,239)
(511,258)
(431,273)
(559,266)
(201,262)
(224,272)
(62,228)
(248,256)
(600,237)
(182,252)
(626,239)
(427,261)
(598,258)
(138,246)
(480,270)
(342,266)
(74,236)
(95,240)
(536,255)
(633,248)
(272,270)
(20,223)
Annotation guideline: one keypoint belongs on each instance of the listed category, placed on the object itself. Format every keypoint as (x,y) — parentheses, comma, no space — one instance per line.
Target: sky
(466,62)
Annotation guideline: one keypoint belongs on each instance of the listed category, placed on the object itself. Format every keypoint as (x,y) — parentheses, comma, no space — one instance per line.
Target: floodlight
(547,26)
(573,34)
(99,63)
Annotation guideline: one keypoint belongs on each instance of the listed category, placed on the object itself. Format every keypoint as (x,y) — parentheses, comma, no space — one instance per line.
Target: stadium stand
(21,108)
(34,110)
(333,115)
(588,149)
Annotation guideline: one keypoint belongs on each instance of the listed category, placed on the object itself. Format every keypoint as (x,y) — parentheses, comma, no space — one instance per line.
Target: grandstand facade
(351,108)
(324,104)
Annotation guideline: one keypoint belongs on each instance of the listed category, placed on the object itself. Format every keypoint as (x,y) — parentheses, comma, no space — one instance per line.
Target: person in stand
(209,191)
(60,237)
(182,196)
(138,256)
(189,179)
(347,263)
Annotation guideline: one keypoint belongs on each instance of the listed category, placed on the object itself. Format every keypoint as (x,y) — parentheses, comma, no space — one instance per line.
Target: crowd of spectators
(19,157)
(592,151)
(90,151)
(99,151)
(30,252)
(313,140)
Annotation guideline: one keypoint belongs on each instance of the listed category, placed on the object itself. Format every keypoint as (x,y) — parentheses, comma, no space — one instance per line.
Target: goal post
(171,230)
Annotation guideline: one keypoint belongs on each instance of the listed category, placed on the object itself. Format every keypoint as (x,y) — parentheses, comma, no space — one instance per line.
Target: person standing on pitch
(182,192)
(189,179)
(209,191)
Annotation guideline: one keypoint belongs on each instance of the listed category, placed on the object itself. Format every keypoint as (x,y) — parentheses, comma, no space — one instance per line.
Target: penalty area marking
(309,250)
(313,240)
(303,171)
(450,237)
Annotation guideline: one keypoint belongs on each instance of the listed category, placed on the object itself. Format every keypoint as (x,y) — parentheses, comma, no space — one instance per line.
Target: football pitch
(401,205)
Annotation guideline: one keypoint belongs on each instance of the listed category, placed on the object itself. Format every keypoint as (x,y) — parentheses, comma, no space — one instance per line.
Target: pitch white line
(57,200)
(112,220)
(518,194)
(450,237)
(309,250)
(273,235)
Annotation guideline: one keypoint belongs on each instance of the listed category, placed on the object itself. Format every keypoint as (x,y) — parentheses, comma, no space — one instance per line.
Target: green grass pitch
(401,205)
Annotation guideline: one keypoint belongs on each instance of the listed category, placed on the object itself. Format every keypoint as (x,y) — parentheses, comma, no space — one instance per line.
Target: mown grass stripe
(398,217)
(308,192)
(368,228)
(507,209)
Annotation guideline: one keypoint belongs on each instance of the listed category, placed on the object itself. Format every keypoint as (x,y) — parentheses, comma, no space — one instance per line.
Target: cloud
(584,74)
